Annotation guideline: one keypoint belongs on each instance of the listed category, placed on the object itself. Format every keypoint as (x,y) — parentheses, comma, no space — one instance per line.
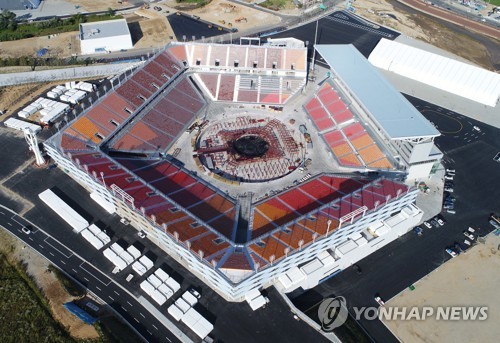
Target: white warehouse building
(105,36)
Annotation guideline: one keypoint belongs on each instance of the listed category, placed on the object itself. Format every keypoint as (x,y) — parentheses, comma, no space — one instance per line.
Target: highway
(120,300)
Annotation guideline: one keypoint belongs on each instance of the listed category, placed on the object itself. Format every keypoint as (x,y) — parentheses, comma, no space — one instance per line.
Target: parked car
(448,177)
(451,252)
(434,223)
(451,211)
(379,300)
(448,189)
(440,222)
(471,230)
(450,171)
(495,224)
(418,230)
(129,277)
(429,226)
(141,234)
(468,235)
(449,206)
(467,242)
(124,221)
(25,230)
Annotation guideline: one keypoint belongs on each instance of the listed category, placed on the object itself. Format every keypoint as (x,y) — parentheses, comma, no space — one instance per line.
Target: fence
(64,74)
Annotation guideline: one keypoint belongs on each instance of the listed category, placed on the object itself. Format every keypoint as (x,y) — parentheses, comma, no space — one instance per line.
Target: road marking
(63,262)
(168,339)
(129,303)
(154,326)
(98,288)
(95,277)
(41,246)
(109,296)
(46,241)
(2,213)
(51,254)
(117,293)
(86,279)
(124,309)
(8,223)
(150,332)
(136,320)
(31,239)
(74,270)
(143,316)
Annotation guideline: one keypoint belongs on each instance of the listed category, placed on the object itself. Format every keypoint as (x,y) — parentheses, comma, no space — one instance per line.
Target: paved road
(123,303)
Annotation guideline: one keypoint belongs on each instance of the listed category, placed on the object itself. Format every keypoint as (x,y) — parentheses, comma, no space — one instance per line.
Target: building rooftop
(395,115)
(104,29)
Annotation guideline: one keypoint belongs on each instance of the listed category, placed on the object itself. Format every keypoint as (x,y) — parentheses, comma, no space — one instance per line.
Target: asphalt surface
(341,28)
(404,261)
(189,27)
(98,283)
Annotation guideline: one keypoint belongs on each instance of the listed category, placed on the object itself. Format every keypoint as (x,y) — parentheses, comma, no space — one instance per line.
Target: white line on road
(95,277)
(86,279)
(109,296)
(9,223)
(74,270)
(31,239)
(98,288)
(150,332)
(117,293)
(168,339)
(2,213)
(136,319)
(124,309)
(143,316)
(45,240)
(63,262)
(41,246)
(51,254)
(154,326)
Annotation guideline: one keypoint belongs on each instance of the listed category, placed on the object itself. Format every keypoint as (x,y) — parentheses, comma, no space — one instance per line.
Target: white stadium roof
(456,77)
(389,108)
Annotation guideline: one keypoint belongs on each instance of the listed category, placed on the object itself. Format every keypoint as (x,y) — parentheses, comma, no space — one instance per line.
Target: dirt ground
(219,10)
(49,285)
(63,44)
(471,279)
(425,29)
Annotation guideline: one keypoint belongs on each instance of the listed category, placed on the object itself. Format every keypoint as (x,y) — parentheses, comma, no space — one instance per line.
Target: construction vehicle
(241,19)
(222,22)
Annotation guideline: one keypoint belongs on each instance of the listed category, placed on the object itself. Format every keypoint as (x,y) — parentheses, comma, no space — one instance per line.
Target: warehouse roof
(104,29)
(395,115)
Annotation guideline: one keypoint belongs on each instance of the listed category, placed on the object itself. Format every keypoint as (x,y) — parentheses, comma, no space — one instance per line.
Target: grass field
(23,313)
(494,2)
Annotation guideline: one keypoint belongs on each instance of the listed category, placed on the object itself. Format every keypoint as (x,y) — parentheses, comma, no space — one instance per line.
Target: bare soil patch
(470,279)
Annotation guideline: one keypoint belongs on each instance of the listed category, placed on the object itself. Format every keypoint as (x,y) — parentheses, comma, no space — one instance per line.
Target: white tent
(447,74)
